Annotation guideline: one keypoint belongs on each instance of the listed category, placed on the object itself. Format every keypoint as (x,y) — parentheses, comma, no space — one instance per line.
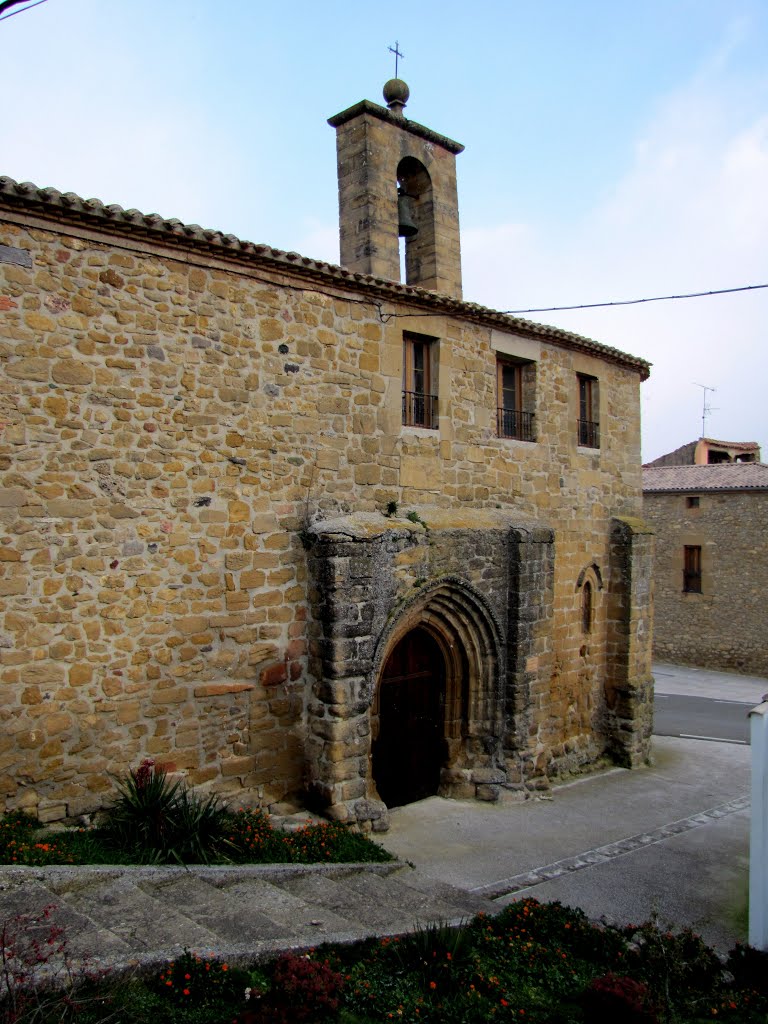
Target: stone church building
(307,531)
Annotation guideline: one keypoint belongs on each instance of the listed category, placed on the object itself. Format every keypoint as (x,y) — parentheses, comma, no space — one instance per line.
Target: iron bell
(406,225)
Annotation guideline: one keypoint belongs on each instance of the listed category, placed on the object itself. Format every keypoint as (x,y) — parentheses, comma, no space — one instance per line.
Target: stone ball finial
(396,94)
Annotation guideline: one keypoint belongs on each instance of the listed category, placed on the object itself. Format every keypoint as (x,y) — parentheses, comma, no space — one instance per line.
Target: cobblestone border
(602,854)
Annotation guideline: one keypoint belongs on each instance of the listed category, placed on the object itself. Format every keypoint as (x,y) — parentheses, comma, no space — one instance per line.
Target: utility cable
(635,302)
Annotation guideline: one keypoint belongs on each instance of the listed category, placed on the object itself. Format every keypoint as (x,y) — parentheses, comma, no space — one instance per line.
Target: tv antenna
(706,408)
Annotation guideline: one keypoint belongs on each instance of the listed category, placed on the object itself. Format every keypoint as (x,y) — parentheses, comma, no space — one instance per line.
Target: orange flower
(433,984)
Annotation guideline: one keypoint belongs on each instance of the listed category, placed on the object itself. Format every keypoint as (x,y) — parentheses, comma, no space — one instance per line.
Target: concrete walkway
(671,839)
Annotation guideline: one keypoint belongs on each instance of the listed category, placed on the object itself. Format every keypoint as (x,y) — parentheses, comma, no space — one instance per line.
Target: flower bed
(154,820)
(535,963)
(247,838)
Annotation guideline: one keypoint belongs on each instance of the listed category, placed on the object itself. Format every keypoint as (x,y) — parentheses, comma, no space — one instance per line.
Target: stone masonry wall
(170,424)
(724,626)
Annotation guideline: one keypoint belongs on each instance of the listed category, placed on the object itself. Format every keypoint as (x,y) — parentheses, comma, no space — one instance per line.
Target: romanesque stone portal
(431,637)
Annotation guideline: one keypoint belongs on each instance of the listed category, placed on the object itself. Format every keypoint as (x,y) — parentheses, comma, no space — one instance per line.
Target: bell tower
(397,179)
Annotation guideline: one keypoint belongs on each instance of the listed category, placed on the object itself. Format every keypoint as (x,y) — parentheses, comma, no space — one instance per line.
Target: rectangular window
(588,428)
(692,569)
(692,502)
(512,389)
(419,397)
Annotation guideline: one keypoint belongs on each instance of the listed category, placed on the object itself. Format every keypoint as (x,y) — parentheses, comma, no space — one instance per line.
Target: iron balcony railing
(513,423)
(419,410)
(589,434)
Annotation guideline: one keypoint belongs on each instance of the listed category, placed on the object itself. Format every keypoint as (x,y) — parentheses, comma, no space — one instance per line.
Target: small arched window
(586,607)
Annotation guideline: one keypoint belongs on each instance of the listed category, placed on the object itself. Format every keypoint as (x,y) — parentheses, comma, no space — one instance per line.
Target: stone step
(85,939)
(133,915)
(298,920)
(228,918)
(122,916)
(411,906)
(465,904)
(356,907)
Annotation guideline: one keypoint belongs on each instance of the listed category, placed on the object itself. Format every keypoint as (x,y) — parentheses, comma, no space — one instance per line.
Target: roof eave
(68,208)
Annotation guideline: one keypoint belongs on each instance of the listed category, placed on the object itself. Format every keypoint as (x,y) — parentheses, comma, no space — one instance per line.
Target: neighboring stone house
(711,572)
(708,452)
(299,529)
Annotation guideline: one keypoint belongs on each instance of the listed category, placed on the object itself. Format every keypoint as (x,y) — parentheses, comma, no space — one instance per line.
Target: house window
(692,501)
(419,399)
(692,569)
(514,392)
(588,428)
(586,607)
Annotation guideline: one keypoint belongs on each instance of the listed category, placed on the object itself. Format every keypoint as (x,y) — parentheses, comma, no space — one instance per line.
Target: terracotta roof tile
(722,476)
(68,208)
(746,446)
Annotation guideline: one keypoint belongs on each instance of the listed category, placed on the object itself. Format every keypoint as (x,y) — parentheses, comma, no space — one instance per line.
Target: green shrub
(159,821)
(679,969)
(155,821)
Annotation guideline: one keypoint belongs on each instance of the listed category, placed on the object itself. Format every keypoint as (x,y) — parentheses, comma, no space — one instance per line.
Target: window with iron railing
(419,401)
(419,410)
(516,397)
(588,434)
(515,424)
(588,423)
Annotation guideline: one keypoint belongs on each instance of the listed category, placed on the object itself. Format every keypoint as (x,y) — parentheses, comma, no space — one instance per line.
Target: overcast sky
(613,151)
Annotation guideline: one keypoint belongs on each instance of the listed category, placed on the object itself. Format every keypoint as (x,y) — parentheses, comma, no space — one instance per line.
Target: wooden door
(409,750)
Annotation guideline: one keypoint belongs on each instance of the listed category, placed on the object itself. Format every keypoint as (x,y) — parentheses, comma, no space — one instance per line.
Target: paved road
(671,838)
(689,681)
(701,718)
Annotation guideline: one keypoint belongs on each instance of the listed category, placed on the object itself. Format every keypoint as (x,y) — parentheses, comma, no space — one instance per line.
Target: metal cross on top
(395,49)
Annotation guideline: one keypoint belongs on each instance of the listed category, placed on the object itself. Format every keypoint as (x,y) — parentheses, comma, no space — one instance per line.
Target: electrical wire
(7,6)
(636,302)
(386,317)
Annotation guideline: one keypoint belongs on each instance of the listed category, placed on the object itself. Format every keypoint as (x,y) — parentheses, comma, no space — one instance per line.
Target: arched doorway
(409,750)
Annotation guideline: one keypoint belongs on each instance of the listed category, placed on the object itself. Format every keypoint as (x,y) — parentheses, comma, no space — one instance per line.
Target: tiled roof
(68,208)
(721,476)
(746,446)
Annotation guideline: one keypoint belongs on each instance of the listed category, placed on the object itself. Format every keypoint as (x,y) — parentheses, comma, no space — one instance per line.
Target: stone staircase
(121,918)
